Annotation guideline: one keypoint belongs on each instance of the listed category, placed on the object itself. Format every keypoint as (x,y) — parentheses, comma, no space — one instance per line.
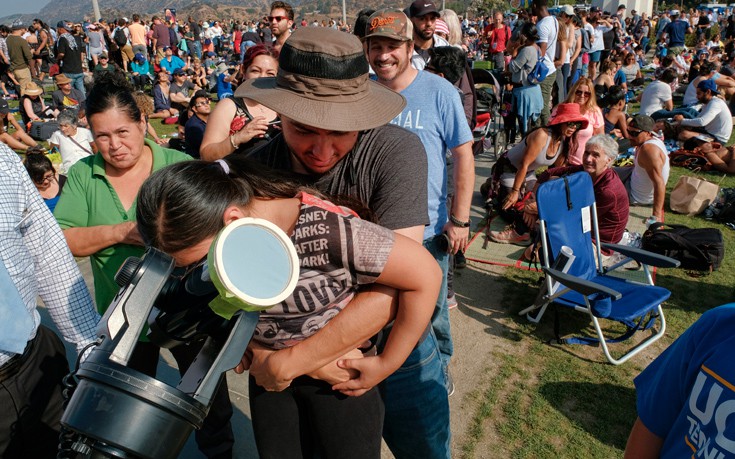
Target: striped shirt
(38,259)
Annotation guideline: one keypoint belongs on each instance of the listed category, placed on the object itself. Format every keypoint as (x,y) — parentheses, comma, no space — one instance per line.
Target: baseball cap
(421,8)
(62,24)
(595,9)
(179,72)
(389,23)
(567,9)
(4,107)
(643,122)
(674,12)
(708,85)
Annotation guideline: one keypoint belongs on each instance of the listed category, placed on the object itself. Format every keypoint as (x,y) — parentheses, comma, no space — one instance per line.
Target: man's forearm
(659,194)
(464,181)
(364,316)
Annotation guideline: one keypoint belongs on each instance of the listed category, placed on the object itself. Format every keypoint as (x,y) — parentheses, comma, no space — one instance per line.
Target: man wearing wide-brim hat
(66,96)
(20,55)
(337,136)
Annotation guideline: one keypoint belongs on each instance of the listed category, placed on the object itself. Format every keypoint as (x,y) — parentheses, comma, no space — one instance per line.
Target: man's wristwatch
(458,223)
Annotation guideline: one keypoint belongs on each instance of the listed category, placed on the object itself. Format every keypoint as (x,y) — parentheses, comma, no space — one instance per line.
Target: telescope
(116,411)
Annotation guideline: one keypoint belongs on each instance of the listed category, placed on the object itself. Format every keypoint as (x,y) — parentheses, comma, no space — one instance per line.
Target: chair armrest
(643,256)
(580,285)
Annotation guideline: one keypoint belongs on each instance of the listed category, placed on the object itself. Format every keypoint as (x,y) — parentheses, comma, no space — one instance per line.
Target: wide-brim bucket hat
(568,113)
(32,89)
(323,82)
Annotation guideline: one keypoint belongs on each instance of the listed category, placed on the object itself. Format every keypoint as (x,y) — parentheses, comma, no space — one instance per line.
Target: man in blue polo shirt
(171,63)
(676,31)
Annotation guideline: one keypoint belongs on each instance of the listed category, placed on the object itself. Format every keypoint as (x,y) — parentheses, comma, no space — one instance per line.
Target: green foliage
(549,401)
(457,7)
(486,7)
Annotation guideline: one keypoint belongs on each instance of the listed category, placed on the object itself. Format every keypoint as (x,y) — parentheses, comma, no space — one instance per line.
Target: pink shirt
(596,121)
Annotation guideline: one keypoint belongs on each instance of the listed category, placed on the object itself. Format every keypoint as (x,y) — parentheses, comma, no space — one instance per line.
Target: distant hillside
(78,10)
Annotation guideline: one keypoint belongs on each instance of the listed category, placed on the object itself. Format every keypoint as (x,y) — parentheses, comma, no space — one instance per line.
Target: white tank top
(641,186)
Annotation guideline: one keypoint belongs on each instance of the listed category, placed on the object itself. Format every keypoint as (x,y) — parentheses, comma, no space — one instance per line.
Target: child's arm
(413,271)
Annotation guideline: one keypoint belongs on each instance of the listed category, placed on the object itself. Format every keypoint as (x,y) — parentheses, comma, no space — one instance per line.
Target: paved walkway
(475,328)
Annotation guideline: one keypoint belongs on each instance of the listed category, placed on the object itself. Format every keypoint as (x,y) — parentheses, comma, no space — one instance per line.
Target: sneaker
(450,383)
(452,302)
(460,262)
(509,236)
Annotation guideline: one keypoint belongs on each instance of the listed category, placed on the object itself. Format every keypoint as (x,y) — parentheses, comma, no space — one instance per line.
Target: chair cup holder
(601,305)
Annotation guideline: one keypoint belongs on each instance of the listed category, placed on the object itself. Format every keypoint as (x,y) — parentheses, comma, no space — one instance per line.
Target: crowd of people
(357,141)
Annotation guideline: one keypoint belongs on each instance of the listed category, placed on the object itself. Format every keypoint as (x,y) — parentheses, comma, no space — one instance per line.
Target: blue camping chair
(568,220)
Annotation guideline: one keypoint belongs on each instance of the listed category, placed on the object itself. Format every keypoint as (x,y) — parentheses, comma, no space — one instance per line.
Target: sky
(24,6)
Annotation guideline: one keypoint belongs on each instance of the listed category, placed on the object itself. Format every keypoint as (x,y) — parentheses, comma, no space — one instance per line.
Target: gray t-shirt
(184,88)
(386,171)
(337,252)
(523,64)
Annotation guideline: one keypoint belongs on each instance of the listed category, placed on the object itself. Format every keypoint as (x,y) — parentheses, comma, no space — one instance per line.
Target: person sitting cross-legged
(714,119)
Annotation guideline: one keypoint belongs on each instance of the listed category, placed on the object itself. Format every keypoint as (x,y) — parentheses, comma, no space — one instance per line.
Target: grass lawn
(550,401)
(547,401)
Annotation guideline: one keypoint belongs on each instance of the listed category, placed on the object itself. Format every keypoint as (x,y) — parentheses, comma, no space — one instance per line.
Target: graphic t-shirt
(687,395)
(337,253)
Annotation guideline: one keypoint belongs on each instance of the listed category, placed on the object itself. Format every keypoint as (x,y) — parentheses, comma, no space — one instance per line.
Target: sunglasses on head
(276,18)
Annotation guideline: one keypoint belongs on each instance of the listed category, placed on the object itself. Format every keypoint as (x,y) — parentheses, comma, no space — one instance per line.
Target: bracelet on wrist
(232,142)
(458,223)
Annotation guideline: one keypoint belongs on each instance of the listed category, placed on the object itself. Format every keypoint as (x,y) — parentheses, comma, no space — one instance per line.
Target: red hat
(568,113)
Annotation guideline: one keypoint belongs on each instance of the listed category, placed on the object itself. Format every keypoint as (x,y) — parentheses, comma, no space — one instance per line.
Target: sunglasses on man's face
(276,18)
(634,132)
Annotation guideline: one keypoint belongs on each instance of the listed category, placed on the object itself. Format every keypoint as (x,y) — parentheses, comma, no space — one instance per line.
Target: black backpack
(699,249)
(120,38)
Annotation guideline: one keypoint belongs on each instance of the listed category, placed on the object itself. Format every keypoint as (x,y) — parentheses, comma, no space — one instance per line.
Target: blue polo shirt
(677,31)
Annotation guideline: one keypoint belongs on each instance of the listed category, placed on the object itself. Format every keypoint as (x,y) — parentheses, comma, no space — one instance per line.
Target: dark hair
(361,23)
(448,60)
(112,90)
(569,145)
(255,51)
(530,31)
(667,61)
(668,75)
(284,6)
(613,95)
(37,164)
(706,67)
(183,204)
